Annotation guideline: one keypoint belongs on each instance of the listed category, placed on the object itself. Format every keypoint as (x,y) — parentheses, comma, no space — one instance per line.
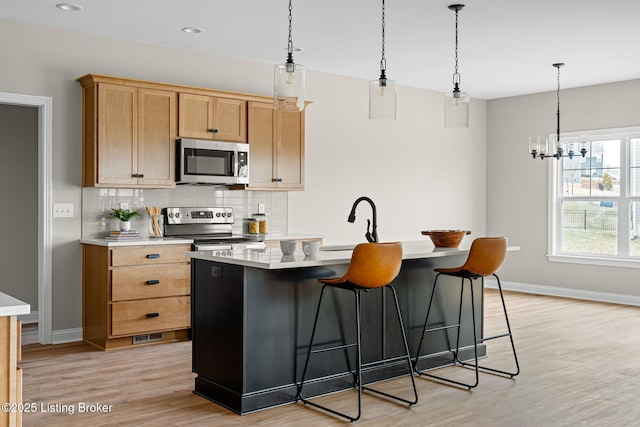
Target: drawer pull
(153,282)
(150,315)
(153,256)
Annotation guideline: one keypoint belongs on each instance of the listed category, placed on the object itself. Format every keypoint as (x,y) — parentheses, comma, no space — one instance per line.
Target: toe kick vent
(143,339)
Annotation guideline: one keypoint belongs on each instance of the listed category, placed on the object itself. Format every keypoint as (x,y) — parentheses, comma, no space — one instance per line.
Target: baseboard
(564,292)
(28,319)
(66,335)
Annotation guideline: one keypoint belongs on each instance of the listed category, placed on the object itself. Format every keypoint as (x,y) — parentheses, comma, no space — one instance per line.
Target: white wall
(517,185)
(420,175)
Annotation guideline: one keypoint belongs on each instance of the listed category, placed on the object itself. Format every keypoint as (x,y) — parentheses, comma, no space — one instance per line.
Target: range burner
(210,228)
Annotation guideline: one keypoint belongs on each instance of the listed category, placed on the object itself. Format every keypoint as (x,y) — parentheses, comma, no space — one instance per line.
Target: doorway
(44,183)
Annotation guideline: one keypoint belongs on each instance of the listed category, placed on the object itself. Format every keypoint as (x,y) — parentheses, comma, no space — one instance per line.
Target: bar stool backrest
(486,255)
(374,265)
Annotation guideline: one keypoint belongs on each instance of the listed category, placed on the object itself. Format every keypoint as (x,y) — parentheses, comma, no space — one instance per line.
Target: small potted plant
(124,215)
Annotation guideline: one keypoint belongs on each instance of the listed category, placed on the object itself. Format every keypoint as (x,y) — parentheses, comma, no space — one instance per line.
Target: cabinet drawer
(150,281)
(157,254)
(153,315)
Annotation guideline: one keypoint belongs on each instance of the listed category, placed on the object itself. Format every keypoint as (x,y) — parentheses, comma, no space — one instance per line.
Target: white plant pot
(125,225)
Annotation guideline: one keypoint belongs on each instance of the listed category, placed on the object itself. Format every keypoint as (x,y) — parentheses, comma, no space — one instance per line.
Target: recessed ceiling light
(191,30)
(68,7)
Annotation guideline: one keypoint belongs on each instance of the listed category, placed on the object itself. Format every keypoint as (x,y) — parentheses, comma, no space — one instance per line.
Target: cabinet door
(117,144)
(261,148)
(230,120)
(156,137)
(289,138)
(195,116)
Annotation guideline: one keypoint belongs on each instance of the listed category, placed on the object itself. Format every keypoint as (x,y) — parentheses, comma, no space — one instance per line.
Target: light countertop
(10,306)
(143,242)
(291,236)
(271,259)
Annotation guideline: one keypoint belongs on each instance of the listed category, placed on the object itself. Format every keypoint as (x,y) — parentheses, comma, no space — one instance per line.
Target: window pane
(634,246)
(597,174)
(590,227)
(634,162)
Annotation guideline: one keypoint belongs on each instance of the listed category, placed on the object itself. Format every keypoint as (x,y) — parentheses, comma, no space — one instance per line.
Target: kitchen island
(253,311)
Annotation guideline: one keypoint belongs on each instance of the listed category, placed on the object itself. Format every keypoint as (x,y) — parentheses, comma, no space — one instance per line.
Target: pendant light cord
(456,75)
(383,61)
(290,40)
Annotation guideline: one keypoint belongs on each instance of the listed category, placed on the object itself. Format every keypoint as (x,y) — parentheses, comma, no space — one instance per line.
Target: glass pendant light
(456,103)
(382,92)
(288,80)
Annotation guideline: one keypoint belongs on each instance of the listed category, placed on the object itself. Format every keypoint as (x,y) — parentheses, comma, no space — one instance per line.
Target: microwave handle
(234,159)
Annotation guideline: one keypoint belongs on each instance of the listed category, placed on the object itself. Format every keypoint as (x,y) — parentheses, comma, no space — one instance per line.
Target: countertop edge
(10,306)
(143,242)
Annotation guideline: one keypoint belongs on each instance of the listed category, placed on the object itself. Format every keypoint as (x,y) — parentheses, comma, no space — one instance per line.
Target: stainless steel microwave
(211,162)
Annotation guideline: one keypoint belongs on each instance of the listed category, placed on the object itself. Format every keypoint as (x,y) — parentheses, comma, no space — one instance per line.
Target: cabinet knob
(213,130)
(138,175)
(276,179)
(150,315)
(153,282)
(150,256)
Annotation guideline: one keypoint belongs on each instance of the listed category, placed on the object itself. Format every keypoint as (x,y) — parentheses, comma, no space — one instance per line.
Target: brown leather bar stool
(373,265)
(485,258)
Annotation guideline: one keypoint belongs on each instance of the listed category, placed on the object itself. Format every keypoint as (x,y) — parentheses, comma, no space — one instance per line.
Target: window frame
(624,200)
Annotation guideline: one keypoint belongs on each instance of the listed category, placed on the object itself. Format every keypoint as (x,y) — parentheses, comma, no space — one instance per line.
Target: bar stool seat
(485,257)
(373,266)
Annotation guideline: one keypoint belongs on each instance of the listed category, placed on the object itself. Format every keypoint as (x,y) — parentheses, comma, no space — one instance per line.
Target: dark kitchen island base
(251,328)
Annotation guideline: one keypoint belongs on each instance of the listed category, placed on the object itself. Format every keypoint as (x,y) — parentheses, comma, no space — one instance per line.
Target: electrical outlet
(63,210)
(124,205)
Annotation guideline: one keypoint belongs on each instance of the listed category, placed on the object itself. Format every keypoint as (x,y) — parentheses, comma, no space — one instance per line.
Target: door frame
(44,104)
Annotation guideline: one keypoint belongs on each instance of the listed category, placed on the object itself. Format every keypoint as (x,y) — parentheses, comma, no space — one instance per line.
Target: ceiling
(506,47)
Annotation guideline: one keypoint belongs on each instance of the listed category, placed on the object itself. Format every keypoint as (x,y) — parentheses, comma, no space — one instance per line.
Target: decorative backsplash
(98,202)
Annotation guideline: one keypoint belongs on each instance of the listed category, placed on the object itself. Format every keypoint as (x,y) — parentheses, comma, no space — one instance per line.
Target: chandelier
(539,147)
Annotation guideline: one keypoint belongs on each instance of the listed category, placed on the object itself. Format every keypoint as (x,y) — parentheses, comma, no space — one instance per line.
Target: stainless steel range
(210,228)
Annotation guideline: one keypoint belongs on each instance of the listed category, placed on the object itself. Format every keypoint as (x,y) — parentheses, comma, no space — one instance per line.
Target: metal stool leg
(313,334)
(508,334)
(358,375)
(408,357)
(456,358)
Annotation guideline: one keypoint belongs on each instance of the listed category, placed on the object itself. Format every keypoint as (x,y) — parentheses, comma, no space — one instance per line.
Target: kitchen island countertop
(273,259)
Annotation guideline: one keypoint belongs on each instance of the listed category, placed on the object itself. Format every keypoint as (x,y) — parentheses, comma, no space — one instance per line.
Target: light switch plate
(63,210)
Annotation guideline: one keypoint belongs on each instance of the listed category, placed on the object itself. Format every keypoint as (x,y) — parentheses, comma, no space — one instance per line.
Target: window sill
(594,260)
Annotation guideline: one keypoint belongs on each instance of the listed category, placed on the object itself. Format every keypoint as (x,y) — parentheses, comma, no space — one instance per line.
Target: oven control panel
(198,215)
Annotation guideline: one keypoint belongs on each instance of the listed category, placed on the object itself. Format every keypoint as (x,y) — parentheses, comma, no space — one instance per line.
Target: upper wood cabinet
(130,127)
(276,148)
(129,136)
(208,117)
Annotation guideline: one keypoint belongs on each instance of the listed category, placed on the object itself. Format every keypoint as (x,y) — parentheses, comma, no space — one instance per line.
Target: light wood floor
(580,366)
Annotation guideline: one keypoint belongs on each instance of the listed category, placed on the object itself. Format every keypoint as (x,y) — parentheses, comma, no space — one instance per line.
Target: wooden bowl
(446,238)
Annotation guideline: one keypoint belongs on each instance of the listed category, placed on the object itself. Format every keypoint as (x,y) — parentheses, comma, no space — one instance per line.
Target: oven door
(210,162)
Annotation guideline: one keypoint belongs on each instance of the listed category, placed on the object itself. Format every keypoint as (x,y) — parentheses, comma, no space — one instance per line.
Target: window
(595,200)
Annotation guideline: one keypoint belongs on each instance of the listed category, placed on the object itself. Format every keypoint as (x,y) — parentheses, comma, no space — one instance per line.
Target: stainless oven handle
(213,247)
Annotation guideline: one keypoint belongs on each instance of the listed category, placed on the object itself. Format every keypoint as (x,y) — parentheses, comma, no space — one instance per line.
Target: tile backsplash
(98,202)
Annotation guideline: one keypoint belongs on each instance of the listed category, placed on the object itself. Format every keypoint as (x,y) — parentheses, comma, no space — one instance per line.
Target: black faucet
(371,236)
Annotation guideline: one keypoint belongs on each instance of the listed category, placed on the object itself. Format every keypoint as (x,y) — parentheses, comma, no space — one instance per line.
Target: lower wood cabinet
(135,295)
(10,374)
